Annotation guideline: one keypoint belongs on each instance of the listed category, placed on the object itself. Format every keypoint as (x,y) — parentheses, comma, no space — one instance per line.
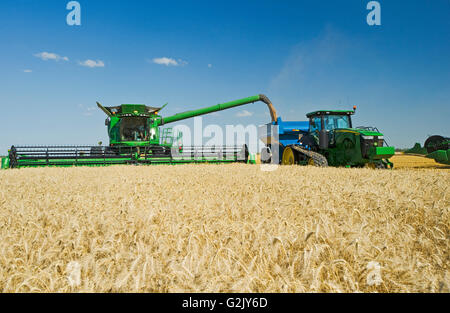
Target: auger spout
(220,107)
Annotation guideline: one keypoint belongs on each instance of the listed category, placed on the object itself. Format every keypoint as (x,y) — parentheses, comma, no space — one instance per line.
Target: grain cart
(328,138)
(136,137)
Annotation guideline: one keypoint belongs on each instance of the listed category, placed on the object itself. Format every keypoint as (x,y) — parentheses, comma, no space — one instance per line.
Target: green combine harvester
(438,148)
(435,147)
(136,137)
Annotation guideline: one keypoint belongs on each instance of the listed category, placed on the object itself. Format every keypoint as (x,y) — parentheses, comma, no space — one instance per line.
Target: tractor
(328,138)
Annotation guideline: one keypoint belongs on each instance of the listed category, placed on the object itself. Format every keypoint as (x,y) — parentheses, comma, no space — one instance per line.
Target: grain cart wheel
(290,157)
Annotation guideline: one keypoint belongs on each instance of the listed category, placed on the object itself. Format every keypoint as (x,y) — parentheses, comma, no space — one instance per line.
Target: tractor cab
(322,124)
(329,120)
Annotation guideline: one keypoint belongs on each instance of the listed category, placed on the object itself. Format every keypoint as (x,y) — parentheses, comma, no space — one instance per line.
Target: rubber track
(318,158)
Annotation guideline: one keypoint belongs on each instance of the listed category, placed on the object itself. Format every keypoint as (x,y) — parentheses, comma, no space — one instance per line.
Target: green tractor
(136,137)
(327,139)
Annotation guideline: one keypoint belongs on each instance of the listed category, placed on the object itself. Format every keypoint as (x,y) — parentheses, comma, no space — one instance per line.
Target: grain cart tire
(290,156)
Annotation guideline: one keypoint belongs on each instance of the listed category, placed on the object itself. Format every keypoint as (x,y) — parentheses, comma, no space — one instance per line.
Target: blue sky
(304,55)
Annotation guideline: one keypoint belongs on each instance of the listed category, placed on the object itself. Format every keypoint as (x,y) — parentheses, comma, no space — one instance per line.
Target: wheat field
(224,228)
(415,161)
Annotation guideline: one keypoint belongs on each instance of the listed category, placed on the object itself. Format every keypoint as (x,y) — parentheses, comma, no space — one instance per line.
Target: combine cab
(136,137)
(328,138)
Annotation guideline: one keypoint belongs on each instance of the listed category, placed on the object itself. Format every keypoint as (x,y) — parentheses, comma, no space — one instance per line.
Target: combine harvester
(135,137)
(328,138)
(435,147)
(438,148)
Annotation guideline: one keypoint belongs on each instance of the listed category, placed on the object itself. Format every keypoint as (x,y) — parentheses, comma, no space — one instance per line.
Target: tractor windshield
(336,121)
(134,129)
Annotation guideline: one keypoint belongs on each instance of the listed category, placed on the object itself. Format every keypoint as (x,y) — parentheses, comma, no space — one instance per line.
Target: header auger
(135,137)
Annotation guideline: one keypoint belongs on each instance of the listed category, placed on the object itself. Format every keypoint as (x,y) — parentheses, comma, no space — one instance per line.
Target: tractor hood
(360,131)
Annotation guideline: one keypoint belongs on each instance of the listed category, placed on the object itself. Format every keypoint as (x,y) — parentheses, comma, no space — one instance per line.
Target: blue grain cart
(278,135)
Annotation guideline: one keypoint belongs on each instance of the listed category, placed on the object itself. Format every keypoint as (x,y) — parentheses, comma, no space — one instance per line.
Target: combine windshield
(336,121)
(134,129)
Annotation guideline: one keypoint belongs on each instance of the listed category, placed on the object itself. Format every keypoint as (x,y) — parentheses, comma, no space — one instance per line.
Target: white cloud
(169,61)
(244,113)
(50,56)
(87,111)
(27,71)
(92,63)
(209,65)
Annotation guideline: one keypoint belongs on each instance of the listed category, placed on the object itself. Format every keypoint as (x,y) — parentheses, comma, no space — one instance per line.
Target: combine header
(438,148)
(435,147)
(135,137)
